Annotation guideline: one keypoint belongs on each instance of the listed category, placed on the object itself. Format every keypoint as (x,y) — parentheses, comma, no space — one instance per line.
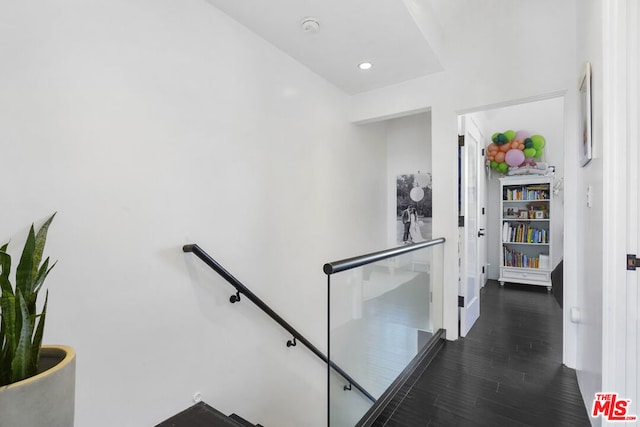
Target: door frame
(620,98)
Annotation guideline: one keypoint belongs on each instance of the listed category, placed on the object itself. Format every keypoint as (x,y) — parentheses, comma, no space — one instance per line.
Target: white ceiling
(391,34)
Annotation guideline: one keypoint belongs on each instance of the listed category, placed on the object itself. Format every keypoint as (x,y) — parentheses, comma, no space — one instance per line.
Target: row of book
(513,258)
(526,193)
(523,233)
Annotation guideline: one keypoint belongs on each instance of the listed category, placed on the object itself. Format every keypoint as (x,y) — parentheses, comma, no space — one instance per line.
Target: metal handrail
(297,336)
(358,261)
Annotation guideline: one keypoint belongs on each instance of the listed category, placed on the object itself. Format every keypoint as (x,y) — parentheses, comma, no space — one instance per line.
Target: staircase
(203,415)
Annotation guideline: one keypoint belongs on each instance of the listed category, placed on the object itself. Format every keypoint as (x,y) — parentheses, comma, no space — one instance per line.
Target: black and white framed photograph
(413,208)
(585,116)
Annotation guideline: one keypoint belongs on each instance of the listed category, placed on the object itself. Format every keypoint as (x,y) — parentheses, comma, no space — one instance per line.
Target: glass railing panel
(349,405)
(380,316)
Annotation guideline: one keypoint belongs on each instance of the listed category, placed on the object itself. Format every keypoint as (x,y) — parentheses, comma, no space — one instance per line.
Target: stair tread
(242,421)
(201,415)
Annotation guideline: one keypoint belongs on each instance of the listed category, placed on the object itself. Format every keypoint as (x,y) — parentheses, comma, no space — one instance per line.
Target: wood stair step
(203,415)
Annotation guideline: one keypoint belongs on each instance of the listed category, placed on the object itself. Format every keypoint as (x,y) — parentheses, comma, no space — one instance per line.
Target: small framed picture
(585,116)
(539,214)
(522,214)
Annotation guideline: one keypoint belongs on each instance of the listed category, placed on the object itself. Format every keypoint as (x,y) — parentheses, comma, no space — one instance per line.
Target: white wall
(408,151)
(583,273)
(151,124)
(496,65)
(546,118)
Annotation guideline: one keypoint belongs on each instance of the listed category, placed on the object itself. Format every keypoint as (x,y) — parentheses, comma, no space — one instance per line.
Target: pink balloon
(514,157)
(521,135)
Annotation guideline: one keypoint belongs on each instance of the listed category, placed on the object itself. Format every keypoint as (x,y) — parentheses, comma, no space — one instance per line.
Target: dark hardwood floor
(507,372)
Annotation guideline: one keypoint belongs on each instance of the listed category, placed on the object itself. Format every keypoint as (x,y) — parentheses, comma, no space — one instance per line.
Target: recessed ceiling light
(365,65)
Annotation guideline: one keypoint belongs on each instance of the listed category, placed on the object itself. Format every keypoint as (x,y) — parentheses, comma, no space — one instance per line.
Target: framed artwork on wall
(413,208)
(585,116)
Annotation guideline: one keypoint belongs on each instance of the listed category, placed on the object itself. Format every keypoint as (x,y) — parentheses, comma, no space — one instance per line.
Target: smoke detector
(310,25)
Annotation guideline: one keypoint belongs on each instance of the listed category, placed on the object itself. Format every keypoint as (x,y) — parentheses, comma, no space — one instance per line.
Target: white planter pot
(46,399)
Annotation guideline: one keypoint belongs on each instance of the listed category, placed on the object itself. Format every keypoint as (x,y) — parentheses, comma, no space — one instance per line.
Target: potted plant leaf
(37,383)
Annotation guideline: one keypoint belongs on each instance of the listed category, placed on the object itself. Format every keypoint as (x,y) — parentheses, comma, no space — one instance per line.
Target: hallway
(507,372)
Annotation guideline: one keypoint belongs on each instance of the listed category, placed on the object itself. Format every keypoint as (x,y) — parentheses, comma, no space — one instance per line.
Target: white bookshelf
(526,214)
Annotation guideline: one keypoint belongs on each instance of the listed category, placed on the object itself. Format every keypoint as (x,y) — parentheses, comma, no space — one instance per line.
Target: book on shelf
(513,258)
(523,233)
(529,192)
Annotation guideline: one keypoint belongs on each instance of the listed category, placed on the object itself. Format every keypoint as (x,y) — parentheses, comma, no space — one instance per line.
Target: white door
(472,237)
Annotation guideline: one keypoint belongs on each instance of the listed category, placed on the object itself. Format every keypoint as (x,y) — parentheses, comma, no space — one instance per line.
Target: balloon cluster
(514,149)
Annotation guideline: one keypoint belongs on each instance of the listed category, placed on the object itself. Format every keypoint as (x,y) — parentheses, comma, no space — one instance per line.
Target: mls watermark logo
(611,408)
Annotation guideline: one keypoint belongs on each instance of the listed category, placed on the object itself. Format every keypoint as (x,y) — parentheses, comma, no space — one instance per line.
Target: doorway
(541,116)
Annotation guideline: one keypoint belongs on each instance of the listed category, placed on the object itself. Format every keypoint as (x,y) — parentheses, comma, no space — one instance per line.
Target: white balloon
(416,194)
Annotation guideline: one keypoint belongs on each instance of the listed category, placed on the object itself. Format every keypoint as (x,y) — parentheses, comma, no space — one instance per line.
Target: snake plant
(22,327)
